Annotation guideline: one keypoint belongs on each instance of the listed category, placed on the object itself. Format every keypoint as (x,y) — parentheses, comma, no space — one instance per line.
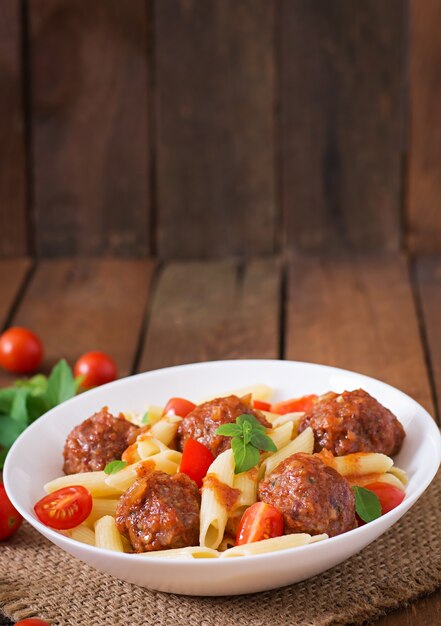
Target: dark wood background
(211,128)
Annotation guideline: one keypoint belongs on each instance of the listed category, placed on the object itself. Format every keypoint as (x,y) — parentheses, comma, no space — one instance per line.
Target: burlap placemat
(39,579)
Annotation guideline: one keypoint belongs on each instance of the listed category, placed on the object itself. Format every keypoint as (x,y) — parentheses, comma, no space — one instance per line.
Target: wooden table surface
(374,314)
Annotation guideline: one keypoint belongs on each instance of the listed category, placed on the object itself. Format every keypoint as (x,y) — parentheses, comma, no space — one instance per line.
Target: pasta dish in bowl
(171,475)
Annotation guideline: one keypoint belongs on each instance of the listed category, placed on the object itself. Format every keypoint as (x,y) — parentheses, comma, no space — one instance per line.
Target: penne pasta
(214,512)
(147,446)
(281,436)
(192,552)
(246,484)
(399,473)
(303,443)
(294,418)
(361,463)
(93,481)
(165,429)
(100,508)
(83,534)
(167,461)
(368,479)
(107,535)
(272,545)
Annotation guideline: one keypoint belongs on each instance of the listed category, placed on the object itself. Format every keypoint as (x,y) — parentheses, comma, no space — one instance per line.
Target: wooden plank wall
(211,128)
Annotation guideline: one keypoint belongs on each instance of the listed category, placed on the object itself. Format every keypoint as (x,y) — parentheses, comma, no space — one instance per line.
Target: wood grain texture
(77,306)
(215,128)
(420,613)
(428,275)
(341,123)
(89,124)
(216,310)
(424,204)
(357,313)
(13,227)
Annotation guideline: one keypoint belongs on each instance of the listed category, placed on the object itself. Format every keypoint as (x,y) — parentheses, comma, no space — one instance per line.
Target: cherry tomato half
(261,405)
(64,508)
(179,406)
(32,621)
(294,405)
(21,351)
(196,459)
(260,521)
(96,368)
(10,518)
(389,496)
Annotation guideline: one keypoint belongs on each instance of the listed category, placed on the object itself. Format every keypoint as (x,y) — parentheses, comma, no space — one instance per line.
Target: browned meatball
(353,422)
(159,512)
(98,440)
(312,497)
(201,423)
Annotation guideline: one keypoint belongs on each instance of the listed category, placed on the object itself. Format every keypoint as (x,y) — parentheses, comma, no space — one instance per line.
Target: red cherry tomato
(179,406)
(32,621)
(96,368)
(260,521)
(196,459)
(64,508)
(10,518)
(21,351)
(389,496)
(294,405)
(261,405)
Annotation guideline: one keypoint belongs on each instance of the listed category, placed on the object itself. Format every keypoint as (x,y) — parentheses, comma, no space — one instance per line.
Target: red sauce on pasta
(225,495)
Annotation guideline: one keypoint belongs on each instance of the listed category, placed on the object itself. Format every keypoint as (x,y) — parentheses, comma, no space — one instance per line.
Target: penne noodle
(368,479)
(399,473)
(147,446)
(165,430)
(303,443)
(107,535)
(83,534)
(294,418)
(191,552)
(272,545)
(361,463)
(270,417)
(226,543)
(214,513)
(281,435)
(100,508)
(246,483)
(93,481)
(167,461)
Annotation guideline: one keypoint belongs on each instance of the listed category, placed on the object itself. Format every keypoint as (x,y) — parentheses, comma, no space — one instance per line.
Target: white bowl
(36,458)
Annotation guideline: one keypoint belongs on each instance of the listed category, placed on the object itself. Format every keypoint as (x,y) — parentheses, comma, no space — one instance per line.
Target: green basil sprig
(114,466)
(367,504)
(248,438)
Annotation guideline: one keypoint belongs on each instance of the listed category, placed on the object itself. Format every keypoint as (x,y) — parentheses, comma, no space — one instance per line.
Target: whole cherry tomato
(65,508)
(96,368)
(179,406)
(32,621)
(10,518)
(260,521)
(21,351)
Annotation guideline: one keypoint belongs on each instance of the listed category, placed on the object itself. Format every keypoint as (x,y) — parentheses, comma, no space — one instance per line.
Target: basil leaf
(145,418)
(114,466)
(246,418)
(263,442)
(61,384)
(3,453)
(10,429)
(36,385)
(229,430)
(7,396)
(19,411)
(367,504)
(245,456)
(37,405)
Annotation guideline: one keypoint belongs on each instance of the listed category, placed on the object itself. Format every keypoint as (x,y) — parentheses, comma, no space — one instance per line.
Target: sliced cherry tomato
(96,368)
(21,351)
(32,621)
(260,521)
(261,405)
(179,406)
(64,508)
(389,496)
(294,405)
(196,459)
(10,518)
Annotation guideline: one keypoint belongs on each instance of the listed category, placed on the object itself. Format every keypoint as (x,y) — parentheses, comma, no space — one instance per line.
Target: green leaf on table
(61,384)
(245,455)
(367,504)
(19,411)
(7,396)
(10,429)
(36,385)
(3,453)
(114,466)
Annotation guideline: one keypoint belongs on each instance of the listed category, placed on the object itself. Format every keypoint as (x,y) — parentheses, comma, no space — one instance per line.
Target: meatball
(312,497)
(98,440)
(159,512)
(353,422)
(201,423)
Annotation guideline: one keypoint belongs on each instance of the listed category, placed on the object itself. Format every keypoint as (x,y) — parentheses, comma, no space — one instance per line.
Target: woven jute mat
(37,578)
